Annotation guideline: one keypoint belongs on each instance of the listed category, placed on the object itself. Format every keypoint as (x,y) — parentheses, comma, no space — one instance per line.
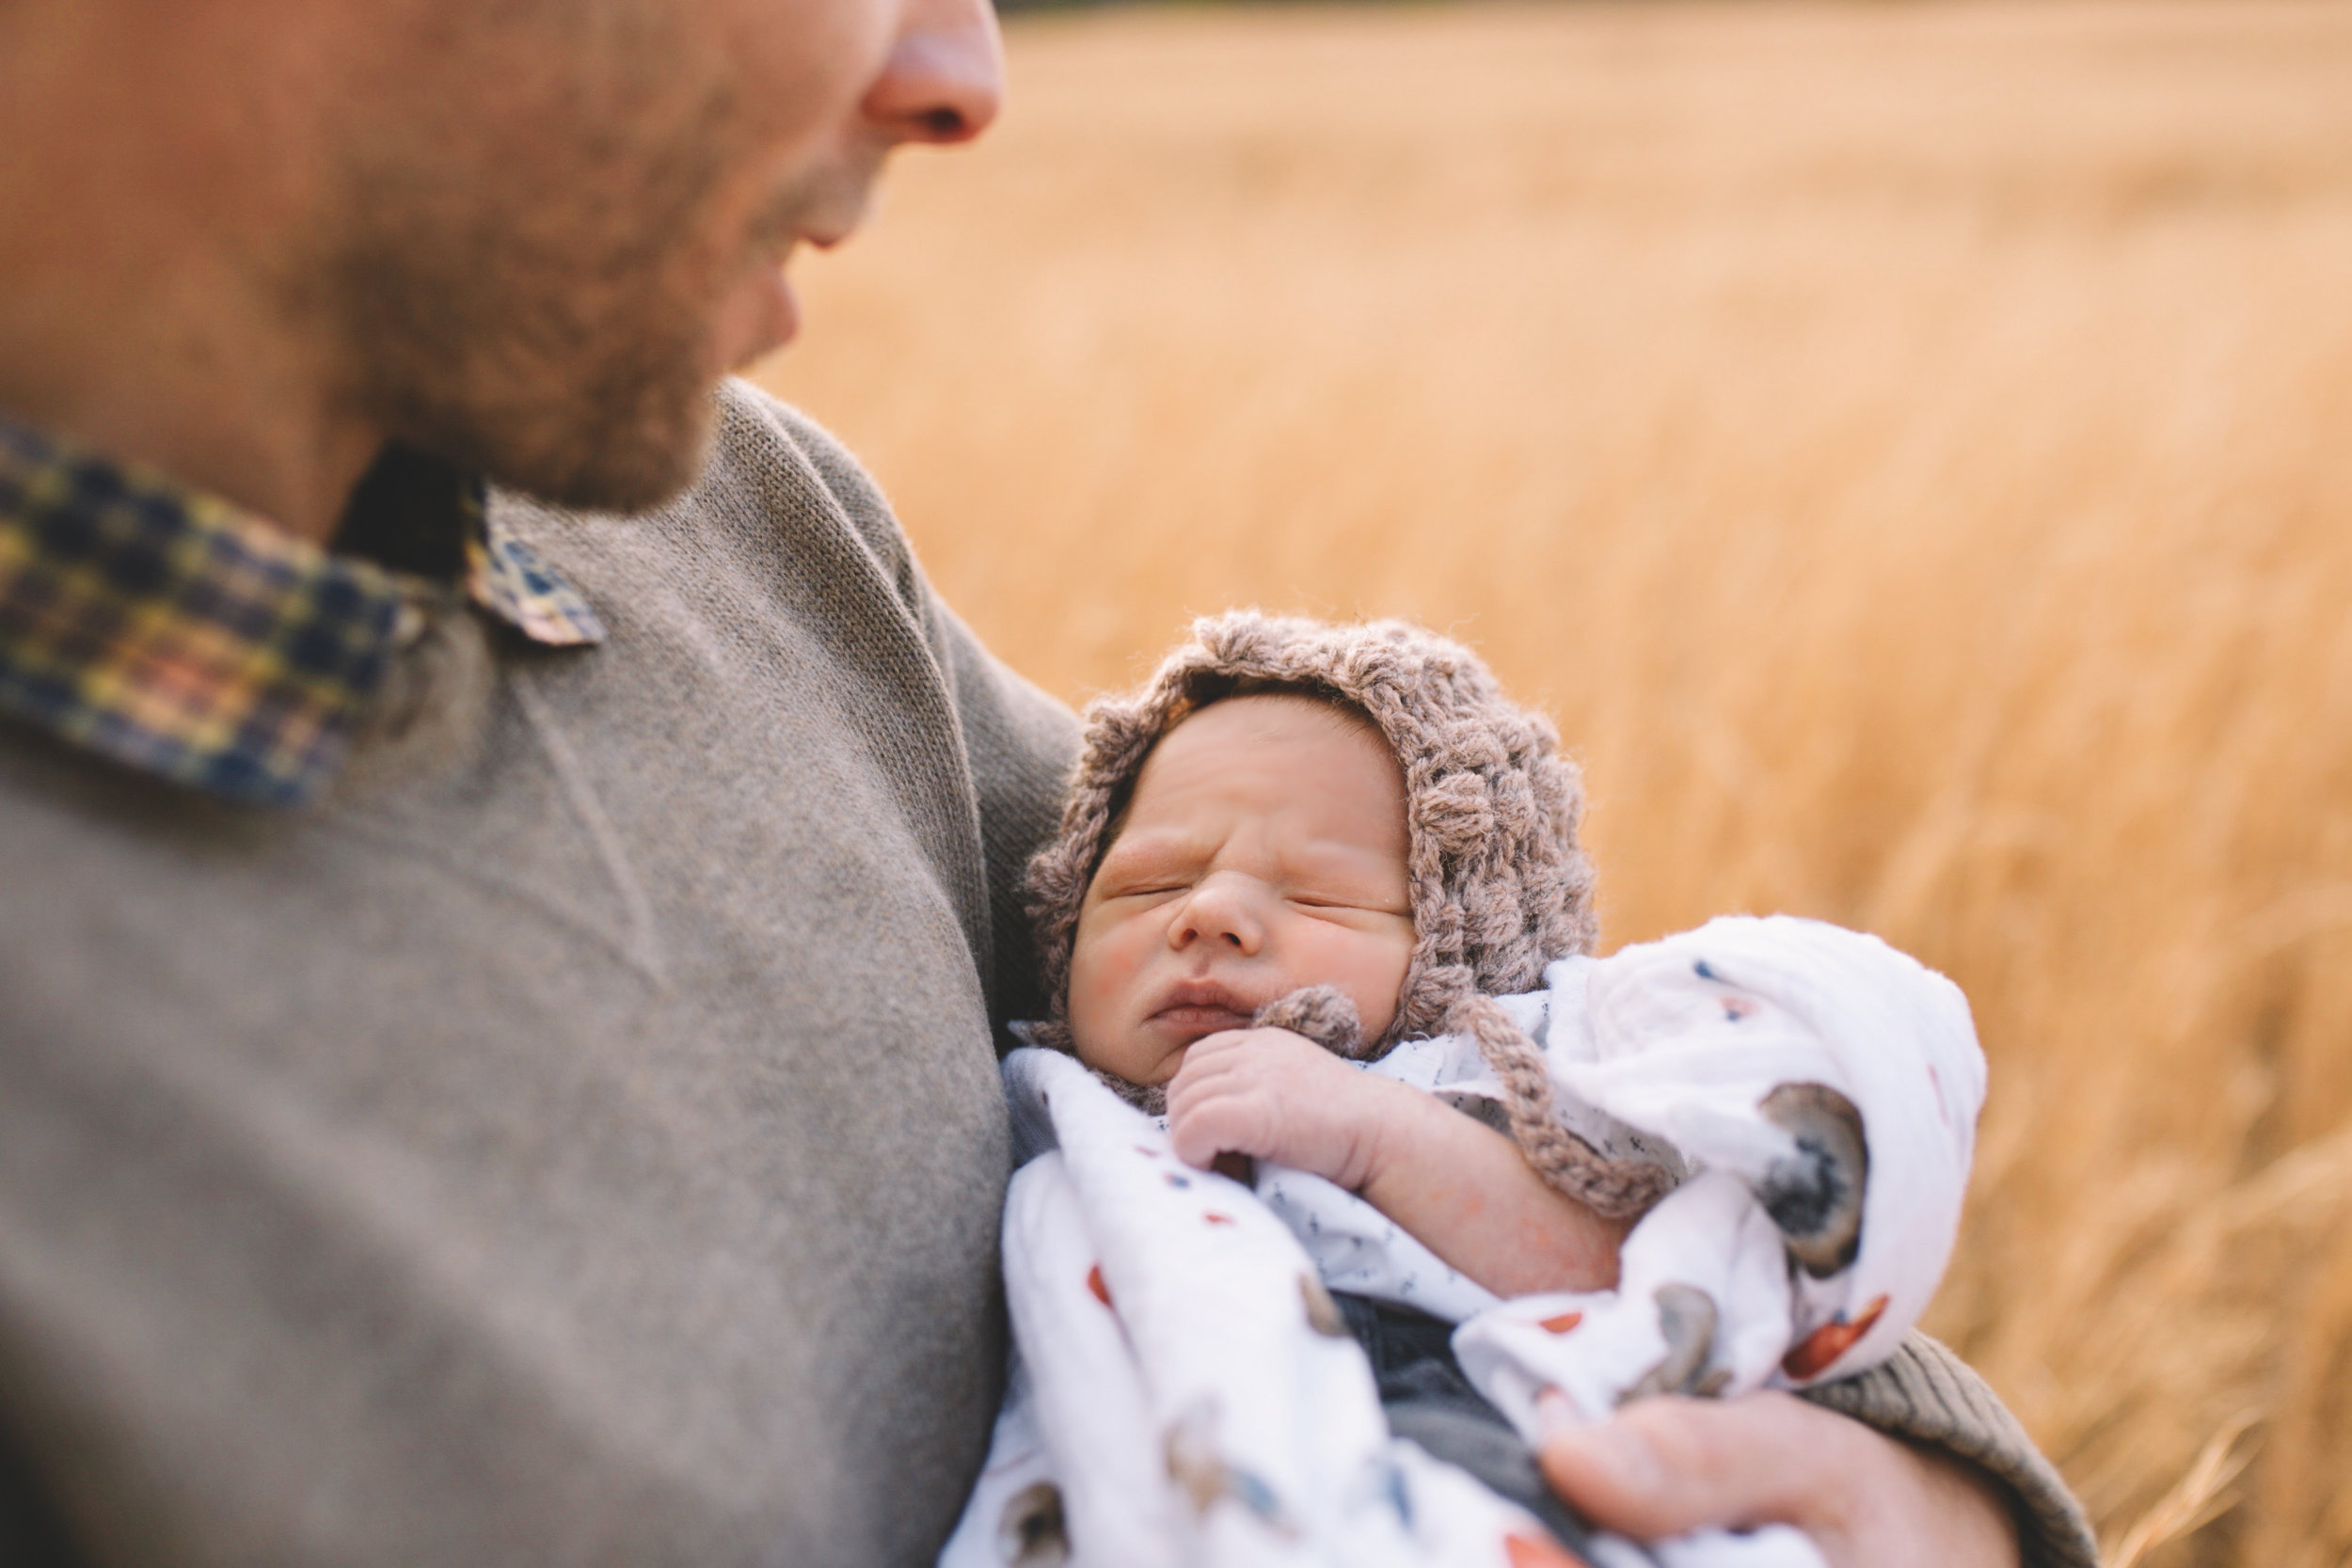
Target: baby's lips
(1206,998)
(1201,1020)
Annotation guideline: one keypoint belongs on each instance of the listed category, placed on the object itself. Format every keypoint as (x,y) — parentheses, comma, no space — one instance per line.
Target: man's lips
(778,306)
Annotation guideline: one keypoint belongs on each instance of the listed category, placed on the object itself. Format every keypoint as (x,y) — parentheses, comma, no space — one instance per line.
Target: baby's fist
(1273,1095)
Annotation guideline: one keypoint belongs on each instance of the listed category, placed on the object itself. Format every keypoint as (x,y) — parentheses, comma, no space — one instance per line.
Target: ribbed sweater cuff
(1929,1395)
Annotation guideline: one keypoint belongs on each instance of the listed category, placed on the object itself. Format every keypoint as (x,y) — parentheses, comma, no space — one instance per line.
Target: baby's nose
(1226,910)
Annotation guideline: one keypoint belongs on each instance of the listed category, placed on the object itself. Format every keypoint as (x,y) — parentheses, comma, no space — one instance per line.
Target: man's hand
(1666,1465)
(1273,1095)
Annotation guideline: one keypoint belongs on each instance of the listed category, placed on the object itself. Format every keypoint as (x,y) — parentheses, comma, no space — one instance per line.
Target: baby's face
(1264,850)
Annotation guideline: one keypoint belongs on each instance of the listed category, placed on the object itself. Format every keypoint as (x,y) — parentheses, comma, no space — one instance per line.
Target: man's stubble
(533,294)
(548,328)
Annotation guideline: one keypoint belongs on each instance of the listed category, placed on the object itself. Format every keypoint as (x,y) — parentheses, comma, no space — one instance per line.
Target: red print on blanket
(1527,1551)
(1813,1354)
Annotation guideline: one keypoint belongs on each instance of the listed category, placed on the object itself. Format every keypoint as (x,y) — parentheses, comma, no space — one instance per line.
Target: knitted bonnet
(1500,887)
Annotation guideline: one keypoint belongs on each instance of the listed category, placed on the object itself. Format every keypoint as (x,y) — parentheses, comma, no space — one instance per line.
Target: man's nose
(944,79)
(1222,911)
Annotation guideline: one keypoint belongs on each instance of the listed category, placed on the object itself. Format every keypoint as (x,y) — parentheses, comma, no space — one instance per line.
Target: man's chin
(614,465)
(650,480)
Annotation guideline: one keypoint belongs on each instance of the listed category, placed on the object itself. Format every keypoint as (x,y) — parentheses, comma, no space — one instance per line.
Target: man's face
(1265,849)
(551,226)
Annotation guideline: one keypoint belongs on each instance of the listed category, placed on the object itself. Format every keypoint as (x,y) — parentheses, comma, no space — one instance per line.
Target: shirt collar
(170,630)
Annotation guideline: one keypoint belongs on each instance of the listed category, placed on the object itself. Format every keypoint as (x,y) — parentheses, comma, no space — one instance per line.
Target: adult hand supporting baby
(1666,1465)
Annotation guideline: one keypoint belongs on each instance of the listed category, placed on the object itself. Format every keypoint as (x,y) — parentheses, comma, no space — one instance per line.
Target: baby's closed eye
(1154,889)
(1142,878)
(1342,900)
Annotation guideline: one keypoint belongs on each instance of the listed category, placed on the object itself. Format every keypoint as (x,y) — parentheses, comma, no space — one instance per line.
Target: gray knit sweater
(577,1140)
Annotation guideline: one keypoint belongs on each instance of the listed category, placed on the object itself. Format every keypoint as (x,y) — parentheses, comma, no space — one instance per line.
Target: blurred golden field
(1908,446)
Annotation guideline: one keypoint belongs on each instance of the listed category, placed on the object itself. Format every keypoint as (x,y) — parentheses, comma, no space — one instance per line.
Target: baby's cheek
(1373,974)
(1086,1000)
(1102,972)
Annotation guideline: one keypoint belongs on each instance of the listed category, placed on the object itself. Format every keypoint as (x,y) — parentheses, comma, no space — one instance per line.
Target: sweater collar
(172,631)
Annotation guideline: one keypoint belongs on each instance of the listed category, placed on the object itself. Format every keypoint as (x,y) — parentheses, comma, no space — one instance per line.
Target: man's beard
(554,337)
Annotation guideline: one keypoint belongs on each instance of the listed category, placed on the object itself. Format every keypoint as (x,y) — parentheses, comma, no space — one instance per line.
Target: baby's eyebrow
(1156,847)
(1359,869)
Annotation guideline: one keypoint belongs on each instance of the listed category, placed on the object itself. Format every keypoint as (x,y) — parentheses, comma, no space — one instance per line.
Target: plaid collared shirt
(170,630)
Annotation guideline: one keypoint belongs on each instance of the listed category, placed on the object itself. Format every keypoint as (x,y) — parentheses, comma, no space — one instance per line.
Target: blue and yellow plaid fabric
(167,629)
(507,578)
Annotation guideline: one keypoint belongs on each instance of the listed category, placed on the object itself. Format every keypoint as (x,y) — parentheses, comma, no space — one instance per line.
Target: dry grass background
(1910,450)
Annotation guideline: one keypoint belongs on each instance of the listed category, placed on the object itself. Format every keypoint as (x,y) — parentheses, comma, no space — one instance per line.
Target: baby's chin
(1121,1062)
(1147,1062)
(1149,1055)
(1148,1097)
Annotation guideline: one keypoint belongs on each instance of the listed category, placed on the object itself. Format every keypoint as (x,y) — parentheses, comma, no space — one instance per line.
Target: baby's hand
(1276,1096)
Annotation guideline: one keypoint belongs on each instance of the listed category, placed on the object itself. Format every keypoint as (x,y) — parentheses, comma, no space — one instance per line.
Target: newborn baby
(1302,845)
(1262,854)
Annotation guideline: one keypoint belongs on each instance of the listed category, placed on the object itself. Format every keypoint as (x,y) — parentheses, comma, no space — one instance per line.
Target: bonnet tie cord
(1616,1189)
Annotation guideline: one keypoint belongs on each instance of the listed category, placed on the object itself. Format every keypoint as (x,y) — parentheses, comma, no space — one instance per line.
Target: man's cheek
(802,67)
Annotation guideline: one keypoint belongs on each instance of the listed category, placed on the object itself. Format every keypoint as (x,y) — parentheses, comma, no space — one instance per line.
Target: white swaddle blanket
(1184,1394)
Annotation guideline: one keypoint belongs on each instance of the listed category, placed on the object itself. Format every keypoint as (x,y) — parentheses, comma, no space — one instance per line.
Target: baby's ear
(1322,1013)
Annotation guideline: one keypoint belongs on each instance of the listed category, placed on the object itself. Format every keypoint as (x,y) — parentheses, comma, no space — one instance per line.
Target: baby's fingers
(1215,1064)
(1210,1054)
(1205,1125)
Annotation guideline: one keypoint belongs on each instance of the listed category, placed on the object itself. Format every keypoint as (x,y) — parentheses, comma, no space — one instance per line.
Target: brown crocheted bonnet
(1499,886)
